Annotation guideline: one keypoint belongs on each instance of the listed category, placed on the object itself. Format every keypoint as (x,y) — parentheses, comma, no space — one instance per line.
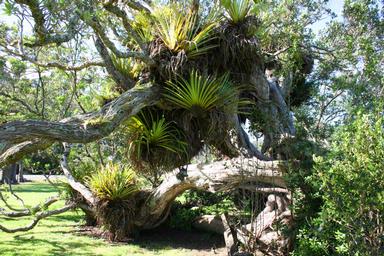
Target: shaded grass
(57,235)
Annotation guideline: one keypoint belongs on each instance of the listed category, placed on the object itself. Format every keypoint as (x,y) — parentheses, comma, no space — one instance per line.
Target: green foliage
(18,67)
(195,203)
(201,94)
(351,181)
(127,66)
(182,217)
(115,186)
(8,7)
(237,10)
(143,26)
(155,144)
(182,31)
(83,170)
(45,162)
(153,133)
(113,182)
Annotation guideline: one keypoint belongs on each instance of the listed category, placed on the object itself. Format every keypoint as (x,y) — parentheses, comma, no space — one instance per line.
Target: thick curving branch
(218,176)
(26,135)
(272,102)
(12,153)
(285,115)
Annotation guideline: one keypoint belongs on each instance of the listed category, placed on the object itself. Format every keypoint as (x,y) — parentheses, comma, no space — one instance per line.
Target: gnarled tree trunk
(153,206)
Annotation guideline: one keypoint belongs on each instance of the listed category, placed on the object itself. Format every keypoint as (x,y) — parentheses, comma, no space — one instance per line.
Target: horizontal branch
(267,190)
(84,128)
(11,153)
(218,176)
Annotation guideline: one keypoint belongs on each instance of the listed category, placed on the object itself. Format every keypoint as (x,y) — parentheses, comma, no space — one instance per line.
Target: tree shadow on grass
(165,237)
(29,244)
(72,217)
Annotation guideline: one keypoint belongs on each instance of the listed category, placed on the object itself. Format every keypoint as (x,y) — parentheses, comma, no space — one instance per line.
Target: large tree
(181,76)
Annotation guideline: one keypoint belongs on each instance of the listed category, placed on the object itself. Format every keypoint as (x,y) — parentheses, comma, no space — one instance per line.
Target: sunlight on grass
(57,235)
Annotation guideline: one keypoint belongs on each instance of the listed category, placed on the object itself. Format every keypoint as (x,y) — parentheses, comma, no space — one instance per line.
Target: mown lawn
(59,235)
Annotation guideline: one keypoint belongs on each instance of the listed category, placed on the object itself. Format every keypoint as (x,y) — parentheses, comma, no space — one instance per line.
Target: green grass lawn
(58,235)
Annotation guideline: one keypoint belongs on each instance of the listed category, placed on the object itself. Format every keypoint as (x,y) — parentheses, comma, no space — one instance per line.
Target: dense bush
(350,179)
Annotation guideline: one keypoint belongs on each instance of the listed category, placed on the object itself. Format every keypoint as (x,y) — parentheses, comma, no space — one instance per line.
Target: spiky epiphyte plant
(155,142)
(126,66)
(115,187)
(201,94)
(237,10)
(113,182)
(182,31)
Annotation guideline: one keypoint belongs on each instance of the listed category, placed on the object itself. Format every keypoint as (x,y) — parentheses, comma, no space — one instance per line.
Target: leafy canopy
(351,184)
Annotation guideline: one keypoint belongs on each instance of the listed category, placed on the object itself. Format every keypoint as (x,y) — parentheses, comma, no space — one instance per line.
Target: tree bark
(218,176)
(9,174)
(18,138)
(20,177)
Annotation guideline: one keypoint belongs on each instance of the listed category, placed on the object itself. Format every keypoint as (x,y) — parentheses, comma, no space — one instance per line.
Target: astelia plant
(200,94)
(151,133)
(183,31)
(237,10)
(113,182)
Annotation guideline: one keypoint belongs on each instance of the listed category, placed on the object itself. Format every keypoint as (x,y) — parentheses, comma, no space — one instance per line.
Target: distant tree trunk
(9,174)
(20,176)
